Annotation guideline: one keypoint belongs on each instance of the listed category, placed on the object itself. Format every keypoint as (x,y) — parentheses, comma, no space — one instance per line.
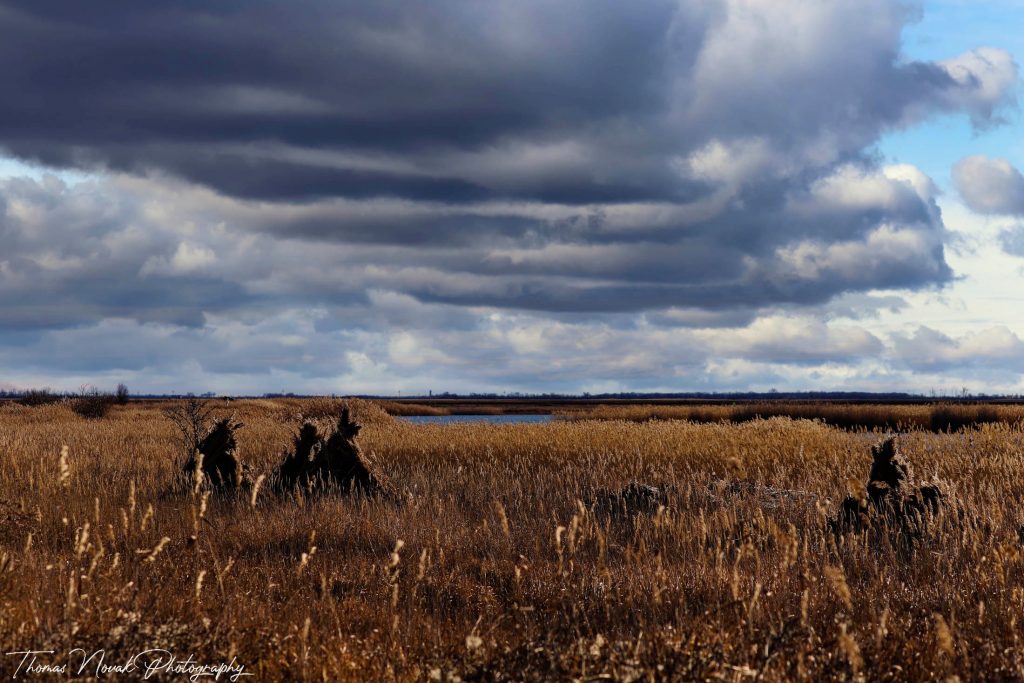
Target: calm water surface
(451,419)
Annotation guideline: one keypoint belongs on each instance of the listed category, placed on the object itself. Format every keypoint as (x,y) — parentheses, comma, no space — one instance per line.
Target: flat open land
(504,561)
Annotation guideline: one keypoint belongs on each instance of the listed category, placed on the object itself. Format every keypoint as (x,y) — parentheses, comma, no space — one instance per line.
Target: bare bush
(192,417)
(39,397)
(92,403)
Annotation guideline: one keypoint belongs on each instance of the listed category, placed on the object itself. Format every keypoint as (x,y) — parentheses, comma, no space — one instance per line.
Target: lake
(452,419)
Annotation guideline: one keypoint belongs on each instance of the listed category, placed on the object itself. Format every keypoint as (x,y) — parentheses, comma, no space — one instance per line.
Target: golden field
(493,569)
(936,416)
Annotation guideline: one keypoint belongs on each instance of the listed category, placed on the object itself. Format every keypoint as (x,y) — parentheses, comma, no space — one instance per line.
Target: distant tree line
(88,402)
(121,395)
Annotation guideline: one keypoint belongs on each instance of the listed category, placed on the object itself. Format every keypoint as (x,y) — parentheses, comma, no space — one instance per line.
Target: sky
(529,196)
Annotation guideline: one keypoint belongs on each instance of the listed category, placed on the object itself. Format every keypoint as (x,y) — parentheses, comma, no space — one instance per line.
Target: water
(452,419)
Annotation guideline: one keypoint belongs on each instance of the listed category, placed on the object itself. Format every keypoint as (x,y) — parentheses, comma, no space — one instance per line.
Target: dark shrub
(92,404)
(322,462)
(38,397)
(216,461)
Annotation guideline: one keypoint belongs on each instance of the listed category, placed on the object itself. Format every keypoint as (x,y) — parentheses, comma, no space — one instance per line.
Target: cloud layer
(324,176)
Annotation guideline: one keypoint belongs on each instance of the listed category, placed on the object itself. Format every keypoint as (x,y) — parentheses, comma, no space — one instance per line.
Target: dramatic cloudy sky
(520,195)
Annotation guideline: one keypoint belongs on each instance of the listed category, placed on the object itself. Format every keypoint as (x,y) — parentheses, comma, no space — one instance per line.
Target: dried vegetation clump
(16,524)
(322,463)
(39,397)
(730,492)
(632,499)
(495,570)
(216,462)
(92,405)
(892,499)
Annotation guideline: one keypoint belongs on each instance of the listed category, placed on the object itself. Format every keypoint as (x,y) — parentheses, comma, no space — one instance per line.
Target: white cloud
(985,75)
(791,339)
(990,186)
(187,259)
(929,349)
(886,249)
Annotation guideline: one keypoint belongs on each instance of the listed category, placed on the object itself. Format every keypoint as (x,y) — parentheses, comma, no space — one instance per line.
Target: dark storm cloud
(571,156)
(274,180)
(109,83)
(173,86)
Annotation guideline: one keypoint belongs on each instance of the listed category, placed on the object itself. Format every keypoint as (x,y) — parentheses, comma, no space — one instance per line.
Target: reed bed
(936,417)
(408,409)
(493,570)
(470,407)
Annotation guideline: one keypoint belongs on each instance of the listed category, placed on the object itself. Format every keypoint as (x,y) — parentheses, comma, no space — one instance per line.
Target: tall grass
(936,417)
(493,570)
(468,407)
(406,409)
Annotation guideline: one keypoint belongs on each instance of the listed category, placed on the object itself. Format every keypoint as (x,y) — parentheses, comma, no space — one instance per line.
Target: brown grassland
(937,417)
(493,569)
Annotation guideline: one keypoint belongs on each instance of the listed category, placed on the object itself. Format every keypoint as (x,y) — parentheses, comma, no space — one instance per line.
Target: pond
(452,419)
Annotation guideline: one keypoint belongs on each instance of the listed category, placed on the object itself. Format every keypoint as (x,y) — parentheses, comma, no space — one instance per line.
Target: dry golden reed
(938,417)
(494,568)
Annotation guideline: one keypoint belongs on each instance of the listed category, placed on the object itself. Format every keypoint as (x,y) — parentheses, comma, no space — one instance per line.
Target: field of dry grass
(936,417)
(493,570)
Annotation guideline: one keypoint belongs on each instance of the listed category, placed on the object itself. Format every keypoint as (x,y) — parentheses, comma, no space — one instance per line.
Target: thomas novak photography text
(512,340)
(158,664)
